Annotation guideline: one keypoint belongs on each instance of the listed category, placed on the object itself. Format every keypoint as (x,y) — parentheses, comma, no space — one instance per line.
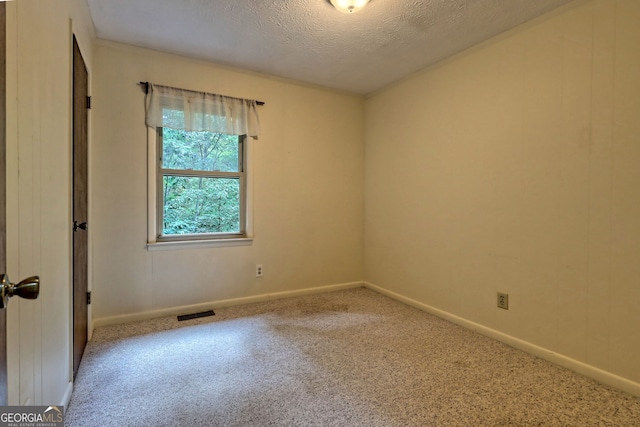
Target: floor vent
(196,315)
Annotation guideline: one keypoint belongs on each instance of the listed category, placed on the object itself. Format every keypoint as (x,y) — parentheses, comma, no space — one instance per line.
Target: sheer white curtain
(201,111)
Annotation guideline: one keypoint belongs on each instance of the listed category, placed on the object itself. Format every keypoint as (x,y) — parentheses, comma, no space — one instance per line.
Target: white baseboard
(543,353)
(89,323)
(185,309)
(66,398)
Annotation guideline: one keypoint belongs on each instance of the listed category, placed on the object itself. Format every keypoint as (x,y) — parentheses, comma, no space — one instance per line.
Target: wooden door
(80,210)
(3,199)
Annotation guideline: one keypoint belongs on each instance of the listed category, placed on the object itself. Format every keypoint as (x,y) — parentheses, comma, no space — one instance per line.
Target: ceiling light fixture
(349,6)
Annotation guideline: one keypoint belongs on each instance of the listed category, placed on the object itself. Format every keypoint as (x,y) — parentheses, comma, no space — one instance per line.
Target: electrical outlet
(258,270)
(503,301)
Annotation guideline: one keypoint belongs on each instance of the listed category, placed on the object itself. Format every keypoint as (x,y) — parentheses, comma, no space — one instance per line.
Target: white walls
(512,167)
(307,170)
(515,167)
(39,192)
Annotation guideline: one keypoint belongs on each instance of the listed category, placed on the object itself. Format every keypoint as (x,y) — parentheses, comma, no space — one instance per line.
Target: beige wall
(515,167)
(307,170)
(39,74)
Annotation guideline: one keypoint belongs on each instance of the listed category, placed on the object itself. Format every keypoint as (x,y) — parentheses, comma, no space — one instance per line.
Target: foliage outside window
(200,184)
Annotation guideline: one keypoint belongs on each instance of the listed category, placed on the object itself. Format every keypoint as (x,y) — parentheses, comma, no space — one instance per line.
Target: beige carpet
(348,358)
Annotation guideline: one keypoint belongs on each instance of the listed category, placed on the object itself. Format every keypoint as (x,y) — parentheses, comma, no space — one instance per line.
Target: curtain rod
(146,90)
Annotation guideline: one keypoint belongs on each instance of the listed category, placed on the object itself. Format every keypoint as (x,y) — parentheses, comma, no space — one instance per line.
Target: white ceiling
(309,40)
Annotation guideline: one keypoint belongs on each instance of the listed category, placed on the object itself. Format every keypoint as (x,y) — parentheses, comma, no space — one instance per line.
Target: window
(200,185)
(199,195)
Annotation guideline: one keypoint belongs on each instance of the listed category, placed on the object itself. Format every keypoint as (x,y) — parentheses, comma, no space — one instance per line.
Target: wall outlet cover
(503,301)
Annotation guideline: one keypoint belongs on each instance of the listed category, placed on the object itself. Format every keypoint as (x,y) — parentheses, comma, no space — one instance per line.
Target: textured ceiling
(309,40)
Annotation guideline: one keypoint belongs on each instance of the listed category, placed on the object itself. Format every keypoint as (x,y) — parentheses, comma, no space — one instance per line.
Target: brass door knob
(28,288)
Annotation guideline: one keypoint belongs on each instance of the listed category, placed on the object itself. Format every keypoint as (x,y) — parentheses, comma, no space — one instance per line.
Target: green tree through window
(201,183)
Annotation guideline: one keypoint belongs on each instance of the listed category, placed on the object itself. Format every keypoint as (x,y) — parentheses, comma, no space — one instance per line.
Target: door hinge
(88,298)
(88,102)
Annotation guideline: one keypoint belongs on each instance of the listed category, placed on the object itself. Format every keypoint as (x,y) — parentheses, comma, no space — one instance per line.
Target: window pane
(201,205)
(205,151)
(175,119)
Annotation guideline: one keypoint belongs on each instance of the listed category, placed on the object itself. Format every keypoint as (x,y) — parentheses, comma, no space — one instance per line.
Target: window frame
(156,241)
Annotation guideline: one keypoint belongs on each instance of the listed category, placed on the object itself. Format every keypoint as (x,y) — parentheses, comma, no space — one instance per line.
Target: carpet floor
(346,358)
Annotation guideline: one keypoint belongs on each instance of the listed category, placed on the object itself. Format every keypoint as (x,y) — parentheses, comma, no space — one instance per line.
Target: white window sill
(198,244)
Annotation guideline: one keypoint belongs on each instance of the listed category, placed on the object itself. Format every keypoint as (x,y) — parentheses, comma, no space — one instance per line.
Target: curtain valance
(200,111)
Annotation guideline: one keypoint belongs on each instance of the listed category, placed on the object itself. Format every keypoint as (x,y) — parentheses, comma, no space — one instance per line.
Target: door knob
(81,226)
(29,288)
